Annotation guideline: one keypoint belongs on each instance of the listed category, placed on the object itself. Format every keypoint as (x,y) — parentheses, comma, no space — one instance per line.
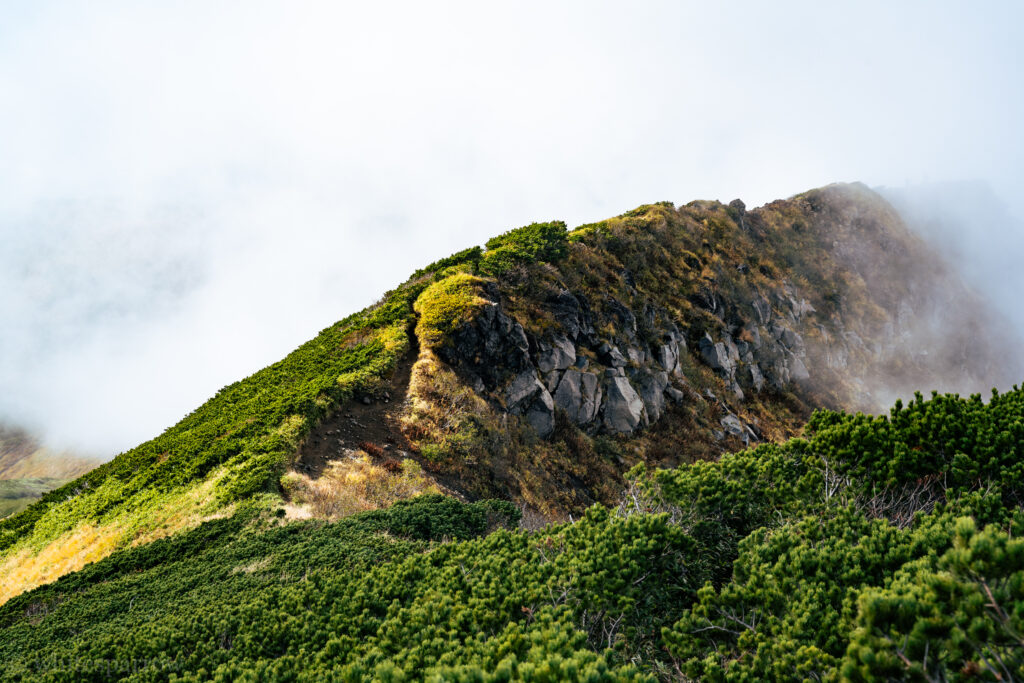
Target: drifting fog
(190,190)
(977,232)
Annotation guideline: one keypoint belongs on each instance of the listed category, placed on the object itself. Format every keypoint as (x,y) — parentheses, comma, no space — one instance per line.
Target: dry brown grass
(24,570)
(438,400)
(354,485)
(372,449)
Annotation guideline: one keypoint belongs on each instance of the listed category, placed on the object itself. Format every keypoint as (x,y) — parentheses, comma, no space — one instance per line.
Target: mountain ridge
(725,326)
(576,395)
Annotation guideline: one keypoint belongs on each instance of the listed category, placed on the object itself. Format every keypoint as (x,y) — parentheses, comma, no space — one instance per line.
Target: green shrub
(466,256)
(251,427)
(955,616)
(546,242)
(798,561)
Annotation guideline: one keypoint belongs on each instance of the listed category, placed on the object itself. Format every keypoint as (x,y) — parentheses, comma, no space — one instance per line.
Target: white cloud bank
(189,190)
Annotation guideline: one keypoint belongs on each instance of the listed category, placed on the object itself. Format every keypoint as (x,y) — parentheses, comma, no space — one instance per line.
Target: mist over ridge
(189,193)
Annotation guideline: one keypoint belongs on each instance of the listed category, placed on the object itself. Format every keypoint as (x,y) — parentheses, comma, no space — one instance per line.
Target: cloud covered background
(189,190)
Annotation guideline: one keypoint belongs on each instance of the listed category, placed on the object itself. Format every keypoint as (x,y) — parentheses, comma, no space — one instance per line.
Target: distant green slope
(22,456)
(18,494)
(876,548)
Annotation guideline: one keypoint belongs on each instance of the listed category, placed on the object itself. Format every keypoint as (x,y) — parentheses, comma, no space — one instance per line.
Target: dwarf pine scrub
(807,560)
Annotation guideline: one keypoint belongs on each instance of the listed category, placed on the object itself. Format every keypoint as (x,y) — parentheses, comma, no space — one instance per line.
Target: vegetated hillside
(542,368)
(27,470)
(18,494)
(875,548)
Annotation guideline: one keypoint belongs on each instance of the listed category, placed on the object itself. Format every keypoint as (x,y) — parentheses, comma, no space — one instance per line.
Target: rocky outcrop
(621,384)
(734,426)
(718,356)
(651,388)
(603,385)
(557,354)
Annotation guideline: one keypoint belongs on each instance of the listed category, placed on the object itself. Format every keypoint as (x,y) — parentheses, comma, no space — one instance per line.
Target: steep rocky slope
(672,334)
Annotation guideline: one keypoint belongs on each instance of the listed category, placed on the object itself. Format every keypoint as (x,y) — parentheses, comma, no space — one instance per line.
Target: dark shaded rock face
(626,388)
(651,387)
(491,347)
(573,314)
(558,354)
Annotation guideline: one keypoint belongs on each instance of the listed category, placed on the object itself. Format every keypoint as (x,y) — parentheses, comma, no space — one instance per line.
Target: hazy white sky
(188,190)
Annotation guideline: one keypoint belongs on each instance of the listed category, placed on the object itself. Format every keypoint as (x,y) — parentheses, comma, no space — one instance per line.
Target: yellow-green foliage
(446,304)
(537,242)
(49,552)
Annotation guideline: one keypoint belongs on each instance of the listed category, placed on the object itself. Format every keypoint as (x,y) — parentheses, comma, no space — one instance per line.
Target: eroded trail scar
(368,423)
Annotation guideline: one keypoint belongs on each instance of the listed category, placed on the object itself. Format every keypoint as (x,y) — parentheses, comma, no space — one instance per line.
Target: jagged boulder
(528,396)
(611,356)
(667,356)
(623,407)
(676,395)
(579,395)
(569,312)
(636,355)
(558,354)
(651,388)
(551,380)
(737,390)
(732,350)
(756,378)
(522,390)
(670,352)
(736,427)
(762,310)
(541,414)
(791,339)
(717,356)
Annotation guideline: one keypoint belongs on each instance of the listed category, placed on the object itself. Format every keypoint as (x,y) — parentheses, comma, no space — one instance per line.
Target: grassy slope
(818,558)
(233,446)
